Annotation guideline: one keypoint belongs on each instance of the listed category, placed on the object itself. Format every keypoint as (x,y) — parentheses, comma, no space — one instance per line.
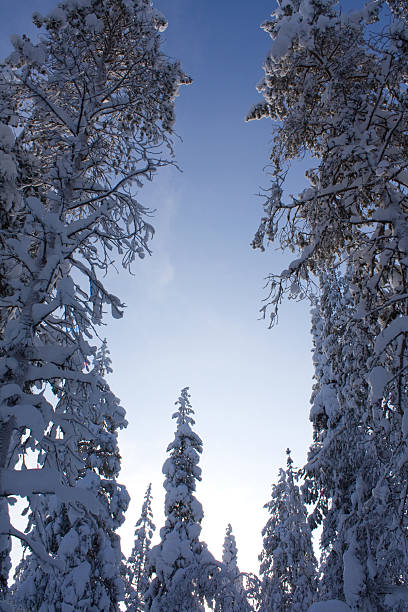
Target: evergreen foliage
(232,596)
(136,575)
(288,564)
(85,544)
(180,564)
(230,552)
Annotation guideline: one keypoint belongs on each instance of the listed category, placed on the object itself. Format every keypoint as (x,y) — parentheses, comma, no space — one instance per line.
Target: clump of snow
(81,577)
(57,14)
(378,378)
(160,21)
(281,44)
(6,136)
(93,23)
(353,576)
(34,53)
(395,328)
(7,166)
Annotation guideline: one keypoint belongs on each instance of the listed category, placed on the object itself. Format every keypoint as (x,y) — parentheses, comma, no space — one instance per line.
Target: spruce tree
(340,453)
(136,574)
(85,544)
(346,476)
(288,564)
(181,566)
(232,596)
(230,552)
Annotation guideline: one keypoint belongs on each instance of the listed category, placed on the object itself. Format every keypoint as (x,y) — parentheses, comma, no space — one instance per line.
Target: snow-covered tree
(18,168)
(136,574)
(230,552)
(288,564)
(183,570)
(93,102)
(85,544)
(336,88)
(341,455)
(346,474)
(9,202)
(232,597)
(330,489)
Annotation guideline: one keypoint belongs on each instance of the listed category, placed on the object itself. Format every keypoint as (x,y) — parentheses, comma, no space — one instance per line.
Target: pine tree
(136,575)
(93,102)
(182,568)
(288,564)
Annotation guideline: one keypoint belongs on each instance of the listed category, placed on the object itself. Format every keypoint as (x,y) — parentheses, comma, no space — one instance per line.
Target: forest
(87,121)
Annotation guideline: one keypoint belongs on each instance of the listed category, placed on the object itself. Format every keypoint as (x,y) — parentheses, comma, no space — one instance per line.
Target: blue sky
(192,308)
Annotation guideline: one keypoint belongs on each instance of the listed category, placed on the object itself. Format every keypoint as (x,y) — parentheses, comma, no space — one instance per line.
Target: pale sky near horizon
(193,307)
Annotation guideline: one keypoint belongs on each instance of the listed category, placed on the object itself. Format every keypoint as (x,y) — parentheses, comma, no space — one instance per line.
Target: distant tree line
(179,573)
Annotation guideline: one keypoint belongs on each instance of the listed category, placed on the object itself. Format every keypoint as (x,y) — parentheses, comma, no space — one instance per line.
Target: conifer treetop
(230,551)
(288,564)
(136,573)
(181,468)
(182,415)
